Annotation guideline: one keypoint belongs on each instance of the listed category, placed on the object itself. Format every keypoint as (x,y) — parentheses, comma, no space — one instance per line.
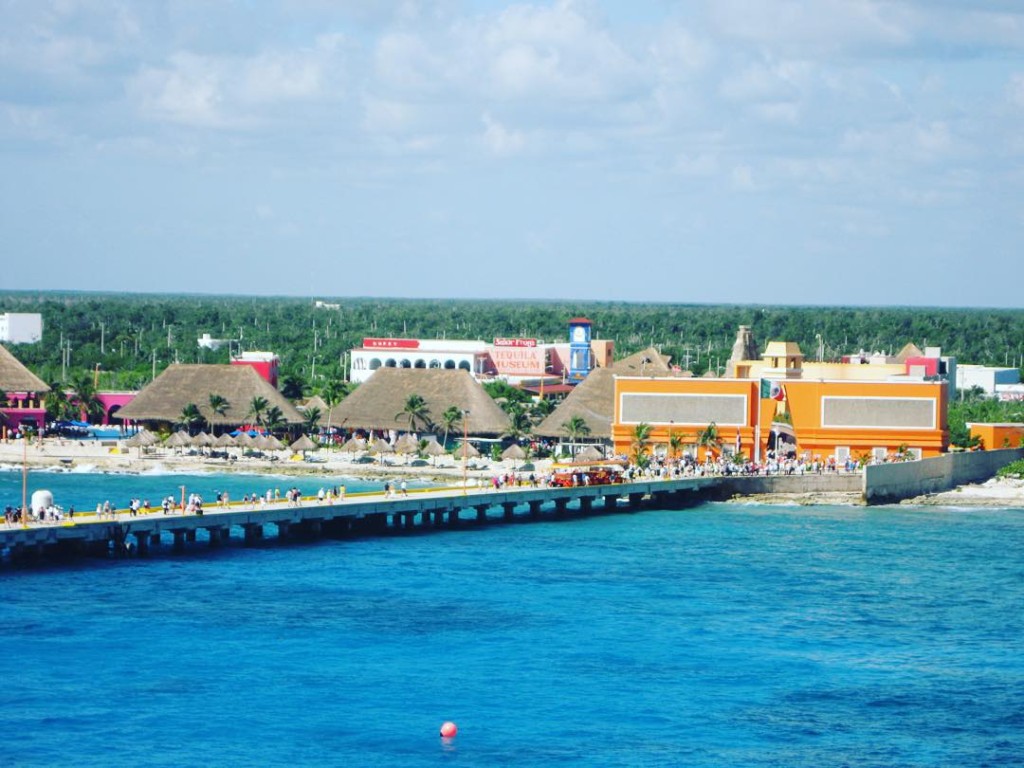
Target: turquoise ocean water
(723,635)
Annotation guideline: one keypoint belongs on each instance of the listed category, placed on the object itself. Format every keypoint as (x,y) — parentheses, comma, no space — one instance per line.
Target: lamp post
(465,449)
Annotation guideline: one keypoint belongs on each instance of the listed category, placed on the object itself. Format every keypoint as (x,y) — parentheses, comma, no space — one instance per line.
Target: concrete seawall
(891,483)
(828,482)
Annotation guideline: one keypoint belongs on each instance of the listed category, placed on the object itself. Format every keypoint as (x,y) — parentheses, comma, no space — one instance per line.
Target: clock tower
(580,359)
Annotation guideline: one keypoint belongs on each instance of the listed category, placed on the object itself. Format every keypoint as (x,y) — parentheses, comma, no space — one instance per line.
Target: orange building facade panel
(996,436)
(829,418)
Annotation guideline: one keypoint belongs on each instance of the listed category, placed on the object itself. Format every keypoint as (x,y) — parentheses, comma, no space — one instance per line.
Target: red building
(266,364)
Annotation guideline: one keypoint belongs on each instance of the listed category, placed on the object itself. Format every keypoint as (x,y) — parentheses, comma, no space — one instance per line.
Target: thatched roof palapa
(15,377)
(592,400)
(378,402)
(179,385)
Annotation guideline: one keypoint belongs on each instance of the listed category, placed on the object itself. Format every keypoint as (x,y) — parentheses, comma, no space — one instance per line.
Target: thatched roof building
(15,377)
(593,399)
(376,402)
(646,362)
(173,390)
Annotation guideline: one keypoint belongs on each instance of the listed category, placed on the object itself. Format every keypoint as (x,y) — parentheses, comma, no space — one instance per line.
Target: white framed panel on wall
(878,412)
(683,409)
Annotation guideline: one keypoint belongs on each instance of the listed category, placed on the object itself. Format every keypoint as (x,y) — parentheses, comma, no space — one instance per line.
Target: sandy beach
(113,456)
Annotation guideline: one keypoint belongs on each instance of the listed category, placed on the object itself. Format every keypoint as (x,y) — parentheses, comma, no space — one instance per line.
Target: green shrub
(1014,470)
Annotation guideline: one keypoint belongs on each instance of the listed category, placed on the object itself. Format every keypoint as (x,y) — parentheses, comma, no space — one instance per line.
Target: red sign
(391,343)
(530,343)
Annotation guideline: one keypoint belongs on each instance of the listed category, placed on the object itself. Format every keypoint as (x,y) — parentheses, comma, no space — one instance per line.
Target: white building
(986,377)
(377,353)
(21,327)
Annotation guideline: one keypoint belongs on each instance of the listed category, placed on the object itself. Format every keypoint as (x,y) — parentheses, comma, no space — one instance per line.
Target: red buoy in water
(449,729)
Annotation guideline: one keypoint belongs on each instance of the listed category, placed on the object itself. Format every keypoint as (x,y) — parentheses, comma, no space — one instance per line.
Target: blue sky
(774,151)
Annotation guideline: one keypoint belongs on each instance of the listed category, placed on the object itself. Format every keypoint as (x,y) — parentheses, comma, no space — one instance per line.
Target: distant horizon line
(312,298)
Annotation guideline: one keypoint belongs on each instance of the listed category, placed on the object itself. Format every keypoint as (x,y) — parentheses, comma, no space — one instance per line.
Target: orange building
(995,436)
(841,418)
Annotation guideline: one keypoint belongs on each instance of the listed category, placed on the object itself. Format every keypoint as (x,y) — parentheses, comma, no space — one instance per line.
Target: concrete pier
(357,515)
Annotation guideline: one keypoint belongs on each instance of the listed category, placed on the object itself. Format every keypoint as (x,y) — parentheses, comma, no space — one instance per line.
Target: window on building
(449,365)
(375,364)
(464,365)
(421,363)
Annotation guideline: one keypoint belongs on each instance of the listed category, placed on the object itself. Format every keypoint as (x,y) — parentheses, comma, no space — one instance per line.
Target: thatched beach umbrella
(203,439)
(433,449)
(274,444)
(225,441)
(177,440)
(264,443)
(303,444)
(244,440)
(514,452)
(141,439)
(380,447)
(354,445)
(590,453)
(466,451)
(407,445)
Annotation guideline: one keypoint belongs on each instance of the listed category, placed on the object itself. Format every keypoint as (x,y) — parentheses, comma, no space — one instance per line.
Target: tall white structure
(986,377)
(21,327)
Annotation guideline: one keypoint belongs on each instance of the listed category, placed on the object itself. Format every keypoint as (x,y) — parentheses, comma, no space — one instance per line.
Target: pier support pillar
(635,500)
(560,506)
(586,505)
(283,528)
(610,502)
(190,534)
(253,533)
(217,536)
(142,544)
(535,509)
(154,539)
(179,540)
(481,513)
(509,510)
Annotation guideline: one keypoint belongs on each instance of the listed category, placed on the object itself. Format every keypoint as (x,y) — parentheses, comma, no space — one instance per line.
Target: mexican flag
(772,390)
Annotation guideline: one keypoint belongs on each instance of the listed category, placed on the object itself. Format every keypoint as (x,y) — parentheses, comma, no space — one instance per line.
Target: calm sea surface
(723,635)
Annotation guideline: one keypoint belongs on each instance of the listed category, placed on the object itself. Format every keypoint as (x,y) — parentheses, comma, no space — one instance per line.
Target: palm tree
(415,411)
(333,394)
(675,444)
(219,406)
(274,419)
(257,406)
(450,419)
(58,405)
(312,418)
(641,439)
(575,428)
(86,399)
(293,387)
(709,439)
(518,422)
(190,417)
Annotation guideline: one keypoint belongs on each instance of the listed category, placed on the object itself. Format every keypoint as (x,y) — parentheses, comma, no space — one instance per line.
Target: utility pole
(154,364)
(103,338)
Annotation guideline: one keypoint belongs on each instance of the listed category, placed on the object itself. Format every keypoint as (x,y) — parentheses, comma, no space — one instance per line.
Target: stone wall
(827,482)
(890,483)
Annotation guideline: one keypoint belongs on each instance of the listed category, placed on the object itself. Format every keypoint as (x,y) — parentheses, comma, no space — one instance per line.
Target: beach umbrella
(177,440)
(434,449)
(243,440)
(203,439)
(354,445)
(590,453)
(466,451)
(407,445)
(225,441)
(514,452)
(380,447)
(264,443)
(141,440)
(274,444)
(303,444)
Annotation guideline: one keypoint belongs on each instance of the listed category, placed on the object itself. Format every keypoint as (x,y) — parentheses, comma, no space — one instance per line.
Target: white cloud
(499,139)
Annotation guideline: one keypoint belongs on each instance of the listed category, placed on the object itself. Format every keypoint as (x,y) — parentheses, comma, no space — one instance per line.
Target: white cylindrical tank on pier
(41,500)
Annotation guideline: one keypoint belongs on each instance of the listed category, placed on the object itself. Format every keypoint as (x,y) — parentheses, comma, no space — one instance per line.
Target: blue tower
(580,357)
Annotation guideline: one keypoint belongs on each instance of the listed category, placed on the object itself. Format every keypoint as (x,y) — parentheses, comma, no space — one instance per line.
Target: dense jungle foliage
(132,336)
